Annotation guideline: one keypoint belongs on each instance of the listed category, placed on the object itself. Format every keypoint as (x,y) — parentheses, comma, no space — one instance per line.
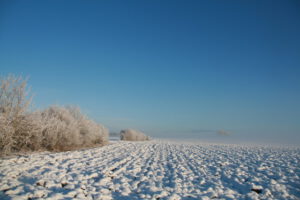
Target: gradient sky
(169,68)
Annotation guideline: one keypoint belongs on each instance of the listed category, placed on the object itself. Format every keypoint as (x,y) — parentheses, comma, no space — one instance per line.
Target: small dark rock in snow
(64,184)
(258,191)
(41,183)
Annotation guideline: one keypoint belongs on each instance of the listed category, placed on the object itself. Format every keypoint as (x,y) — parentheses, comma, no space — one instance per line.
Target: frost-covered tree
(16,127)
(55,128)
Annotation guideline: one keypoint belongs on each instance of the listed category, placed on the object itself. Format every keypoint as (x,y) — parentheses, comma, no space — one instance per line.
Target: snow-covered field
(155,170)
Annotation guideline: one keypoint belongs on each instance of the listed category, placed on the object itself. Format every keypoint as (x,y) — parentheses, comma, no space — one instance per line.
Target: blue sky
(169,68)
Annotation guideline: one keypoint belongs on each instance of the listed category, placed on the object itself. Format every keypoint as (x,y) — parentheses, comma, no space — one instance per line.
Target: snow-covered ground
(155,170)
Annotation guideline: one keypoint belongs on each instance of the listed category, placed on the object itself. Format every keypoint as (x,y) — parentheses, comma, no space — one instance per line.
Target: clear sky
(169,68)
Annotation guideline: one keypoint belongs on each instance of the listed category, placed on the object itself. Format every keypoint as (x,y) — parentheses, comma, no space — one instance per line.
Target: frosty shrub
(55,128)
(133,135)
(67,128)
